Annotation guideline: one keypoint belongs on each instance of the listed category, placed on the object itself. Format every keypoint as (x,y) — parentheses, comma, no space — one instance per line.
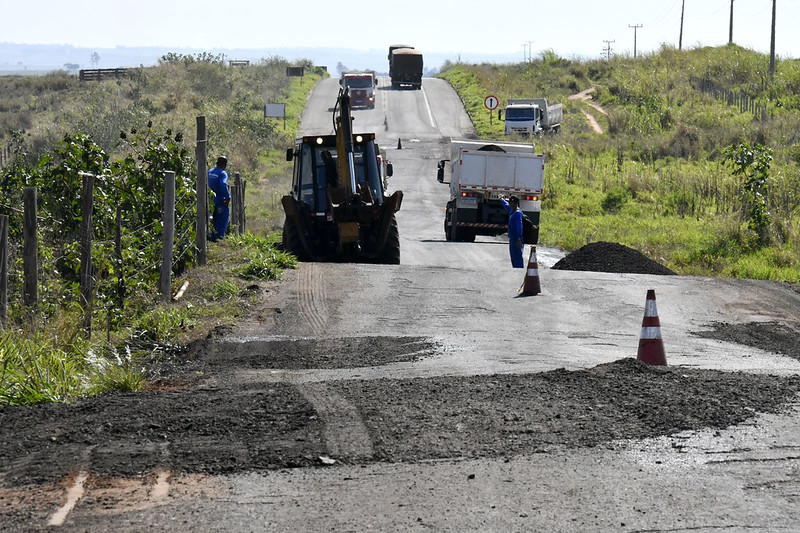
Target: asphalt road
(463,295)
(463,298)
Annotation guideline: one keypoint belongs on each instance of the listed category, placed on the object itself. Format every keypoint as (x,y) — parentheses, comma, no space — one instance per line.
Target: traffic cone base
(651,346)
(531,285)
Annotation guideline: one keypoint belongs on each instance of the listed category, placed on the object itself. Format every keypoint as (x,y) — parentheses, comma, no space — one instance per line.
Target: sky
(521,29)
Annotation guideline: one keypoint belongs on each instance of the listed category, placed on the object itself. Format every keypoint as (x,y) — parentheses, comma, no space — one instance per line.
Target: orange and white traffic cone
(531,284)
(651,347)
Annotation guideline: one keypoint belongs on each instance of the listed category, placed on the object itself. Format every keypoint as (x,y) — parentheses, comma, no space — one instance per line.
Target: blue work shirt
(218,183)
(514,222)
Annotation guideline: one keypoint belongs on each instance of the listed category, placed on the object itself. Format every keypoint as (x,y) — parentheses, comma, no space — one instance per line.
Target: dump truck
(405,66)
(531,116)
(483,172)
(338,208)
(362,87)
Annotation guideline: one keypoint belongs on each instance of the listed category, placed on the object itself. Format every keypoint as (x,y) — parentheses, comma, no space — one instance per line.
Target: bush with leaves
(127,192)
(752,163)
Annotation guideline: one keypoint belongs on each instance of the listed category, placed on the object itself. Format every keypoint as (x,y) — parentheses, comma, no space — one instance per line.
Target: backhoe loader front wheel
(390,255)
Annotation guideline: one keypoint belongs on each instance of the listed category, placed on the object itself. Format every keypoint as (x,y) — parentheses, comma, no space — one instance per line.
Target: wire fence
(743,101)
(28,279)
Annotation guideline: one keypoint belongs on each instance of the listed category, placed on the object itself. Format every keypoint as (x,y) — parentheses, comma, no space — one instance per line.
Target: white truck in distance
(531,116)
(481,172)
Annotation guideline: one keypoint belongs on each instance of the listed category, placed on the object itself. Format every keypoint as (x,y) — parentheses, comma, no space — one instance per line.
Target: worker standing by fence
(218,183)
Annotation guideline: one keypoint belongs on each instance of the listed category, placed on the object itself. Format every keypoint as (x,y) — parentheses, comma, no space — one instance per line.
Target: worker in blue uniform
(515,241)
(218,183)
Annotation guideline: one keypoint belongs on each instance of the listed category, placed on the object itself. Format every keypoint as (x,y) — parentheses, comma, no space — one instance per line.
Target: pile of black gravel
(611,257)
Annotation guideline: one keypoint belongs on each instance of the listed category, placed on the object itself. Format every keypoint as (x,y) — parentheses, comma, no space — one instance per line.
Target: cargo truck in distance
(482,172)
(405,66)
(362,87)
(338,209)
(531,116)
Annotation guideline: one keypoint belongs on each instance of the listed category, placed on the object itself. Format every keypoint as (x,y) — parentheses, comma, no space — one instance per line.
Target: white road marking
(428,106)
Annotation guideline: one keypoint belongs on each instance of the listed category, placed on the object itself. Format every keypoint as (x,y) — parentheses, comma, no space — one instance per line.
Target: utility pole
(530,50)
(635,27)
(607,50)
(772,45)
(730,31)
(680,37)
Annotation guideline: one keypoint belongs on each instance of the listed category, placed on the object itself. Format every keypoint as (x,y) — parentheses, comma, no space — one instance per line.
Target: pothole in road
(335,353)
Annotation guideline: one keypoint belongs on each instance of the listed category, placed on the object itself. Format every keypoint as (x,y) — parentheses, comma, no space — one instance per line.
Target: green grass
(42,366)
(35,370)
(657,179)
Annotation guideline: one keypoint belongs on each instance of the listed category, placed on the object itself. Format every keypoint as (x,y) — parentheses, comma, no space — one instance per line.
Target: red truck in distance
(362,87)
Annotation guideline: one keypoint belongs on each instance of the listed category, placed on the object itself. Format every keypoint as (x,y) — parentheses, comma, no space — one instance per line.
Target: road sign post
(490,102)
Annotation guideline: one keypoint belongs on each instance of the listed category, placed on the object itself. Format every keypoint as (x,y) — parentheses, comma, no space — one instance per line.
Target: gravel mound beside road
(611,257)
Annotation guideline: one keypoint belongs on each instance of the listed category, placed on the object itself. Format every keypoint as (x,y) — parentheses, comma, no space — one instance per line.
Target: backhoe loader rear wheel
(390,255)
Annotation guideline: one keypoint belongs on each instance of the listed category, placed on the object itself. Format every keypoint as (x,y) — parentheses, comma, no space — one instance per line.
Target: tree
(752,162)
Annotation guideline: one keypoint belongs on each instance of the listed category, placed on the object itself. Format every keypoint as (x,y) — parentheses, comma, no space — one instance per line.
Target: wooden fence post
(30,239)
(241,185)
(168,235)
(3,270)
(86,278)
(237,204)
(118,258)
(201,226)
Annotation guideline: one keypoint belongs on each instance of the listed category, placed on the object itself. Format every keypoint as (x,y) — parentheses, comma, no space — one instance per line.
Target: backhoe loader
(338,209)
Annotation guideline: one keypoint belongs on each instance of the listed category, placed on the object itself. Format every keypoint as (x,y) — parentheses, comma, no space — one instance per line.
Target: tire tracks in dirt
(345,433)
(311,298)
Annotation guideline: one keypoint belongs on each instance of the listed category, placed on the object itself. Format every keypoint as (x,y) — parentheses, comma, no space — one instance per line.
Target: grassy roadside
(49,359)
(59,365)
(658,179)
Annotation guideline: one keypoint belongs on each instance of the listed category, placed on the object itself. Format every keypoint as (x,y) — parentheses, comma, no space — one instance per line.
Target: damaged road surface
(430,396)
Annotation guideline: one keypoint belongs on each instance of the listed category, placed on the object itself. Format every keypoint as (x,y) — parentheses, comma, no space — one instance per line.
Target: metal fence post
(3,270)
(86,278)
(201,225)
(30,239)
(168,235)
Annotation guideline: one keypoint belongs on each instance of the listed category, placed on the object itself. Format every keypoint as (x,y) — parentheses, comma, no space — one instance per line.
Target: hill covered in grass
(37,112)
(698,164)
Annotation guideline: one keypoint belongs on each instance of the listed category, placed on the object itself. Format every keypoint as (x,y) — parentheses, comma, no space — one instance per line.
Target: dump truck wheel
(390,255)
(531,236)
(465,235)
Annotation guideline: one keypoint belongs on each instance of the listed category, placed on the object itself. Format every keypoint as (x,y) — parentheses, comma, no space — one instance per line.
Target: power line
(635,27)
(607,49)
(772,43)
(730,31)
